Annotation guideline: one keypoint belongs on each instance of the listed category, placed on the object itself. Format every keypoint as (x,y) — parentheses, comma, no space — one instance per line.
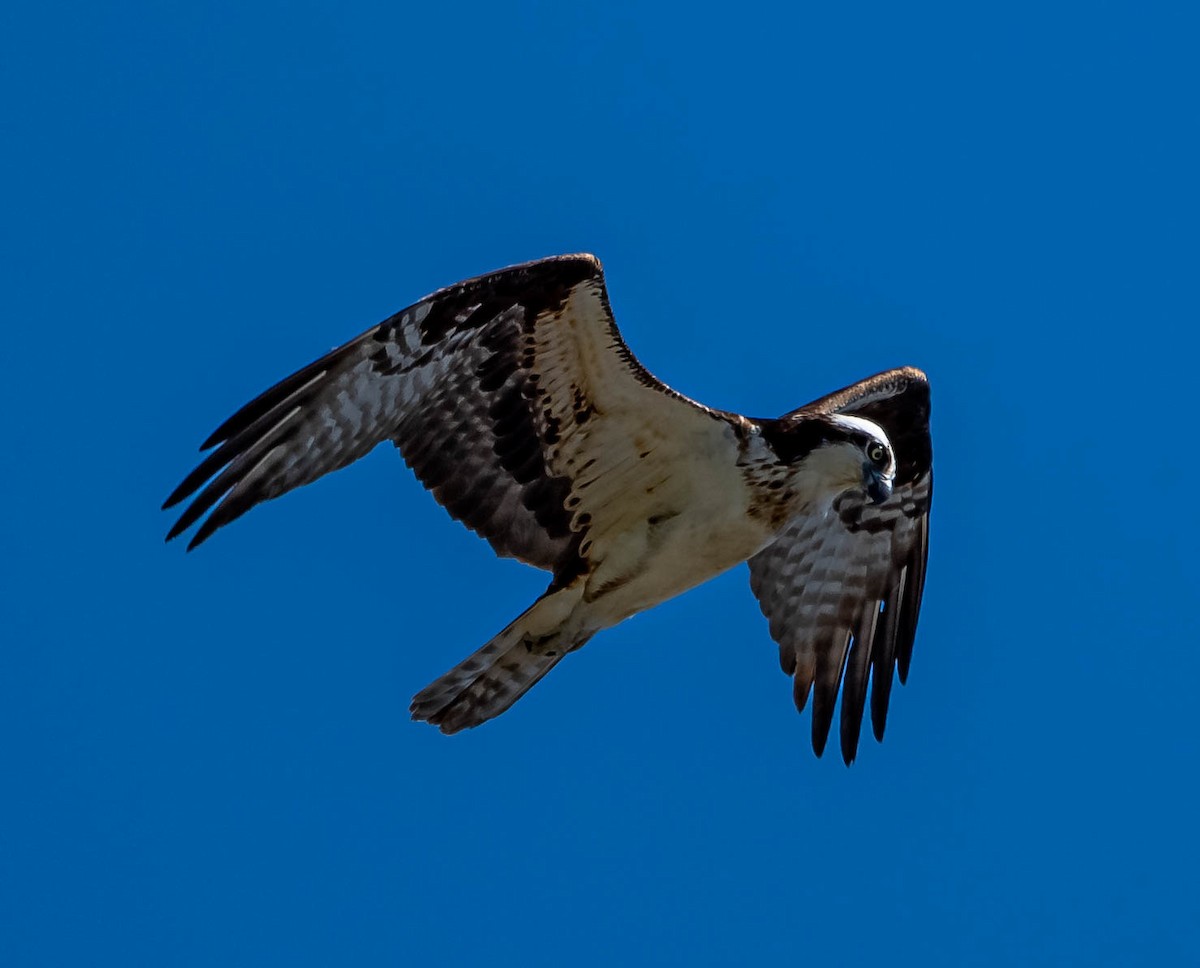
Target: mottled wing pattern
(842,590)
(440,380)
(490,389)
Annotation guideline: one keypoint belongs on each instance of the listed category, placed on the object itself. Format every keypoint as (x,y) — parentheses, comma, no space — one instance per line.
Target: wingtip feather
(175,496)
(218,436)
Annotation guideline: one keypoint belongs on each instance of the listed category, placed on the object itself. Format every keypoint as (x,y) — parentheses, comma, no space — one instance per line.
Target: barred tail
(487,682)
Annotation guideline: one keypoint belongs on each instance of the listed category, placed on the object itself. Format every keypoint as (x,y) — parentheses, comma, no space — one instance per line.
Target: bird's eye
(877,453)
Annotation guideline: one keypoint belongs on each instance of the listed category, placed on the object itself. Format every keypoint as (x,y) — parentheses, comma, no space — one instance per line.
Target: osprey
(515,401)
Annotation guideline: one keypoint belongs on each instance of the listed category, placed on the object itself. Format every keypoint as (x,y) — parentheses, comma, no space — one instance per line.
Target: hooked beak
(879,487)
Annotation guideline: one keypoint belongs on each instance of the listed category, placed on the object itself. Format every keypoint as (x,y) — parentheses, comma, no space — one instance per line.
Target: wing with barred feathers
(842,589)
(481,386)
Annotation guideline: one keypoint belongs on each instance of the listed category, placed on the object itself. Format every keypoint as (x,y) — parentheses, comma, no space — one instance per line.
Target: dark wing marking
(842,590)
(442,379)
(480,385)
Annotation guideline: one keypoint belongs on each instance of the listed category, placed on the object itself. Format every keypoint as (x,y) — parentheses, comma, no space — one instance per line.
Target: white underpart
(694,526)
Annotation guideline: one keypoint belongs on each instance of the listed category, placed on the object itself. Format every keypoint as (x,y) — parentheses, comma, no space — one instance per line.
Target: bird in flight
(515,401)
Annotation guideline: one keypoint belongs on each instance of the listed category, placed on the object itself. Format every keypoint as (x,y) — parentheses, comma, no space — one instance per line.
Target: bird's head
(835,452)
(868,456)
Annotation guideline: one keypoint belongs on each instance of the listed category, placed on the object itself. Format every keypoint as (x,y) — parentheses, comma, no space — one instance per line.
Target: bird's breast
(669,552)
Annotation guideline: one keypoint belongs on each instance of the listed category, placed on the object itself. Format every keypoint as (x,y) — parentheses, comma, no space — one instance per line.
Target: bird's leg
(543,644)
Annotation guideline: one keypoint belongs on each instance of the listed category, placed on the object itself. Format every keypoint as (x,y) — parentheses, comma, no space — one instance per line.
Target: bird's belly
(664,558)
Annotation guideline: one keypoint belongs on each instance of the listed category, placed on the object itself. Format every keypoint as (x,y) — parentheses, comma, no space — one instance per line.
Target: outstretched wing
(481,386)
(842,590)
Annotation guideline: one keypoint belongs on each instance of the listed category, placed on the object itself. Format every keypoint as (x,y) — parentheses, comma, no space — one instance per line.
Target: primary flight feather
(515,401)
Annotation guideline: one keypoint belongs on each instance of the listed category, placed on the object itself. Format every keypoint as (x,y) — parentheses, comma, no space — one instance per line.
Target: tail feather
(494,677)
(481,688)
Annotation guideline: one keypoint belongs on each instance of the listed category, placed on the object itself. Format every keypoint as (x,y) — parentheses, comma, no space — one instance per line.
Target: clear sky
(207,758)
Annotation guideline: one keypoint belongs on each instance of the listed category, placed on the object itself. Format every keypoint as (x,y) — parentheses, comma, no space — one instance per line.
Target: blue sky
(208,758)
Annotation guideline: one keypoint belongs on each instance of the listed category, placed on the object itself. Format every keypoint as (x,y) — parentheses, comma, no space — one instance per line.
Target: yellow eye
(877,453)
